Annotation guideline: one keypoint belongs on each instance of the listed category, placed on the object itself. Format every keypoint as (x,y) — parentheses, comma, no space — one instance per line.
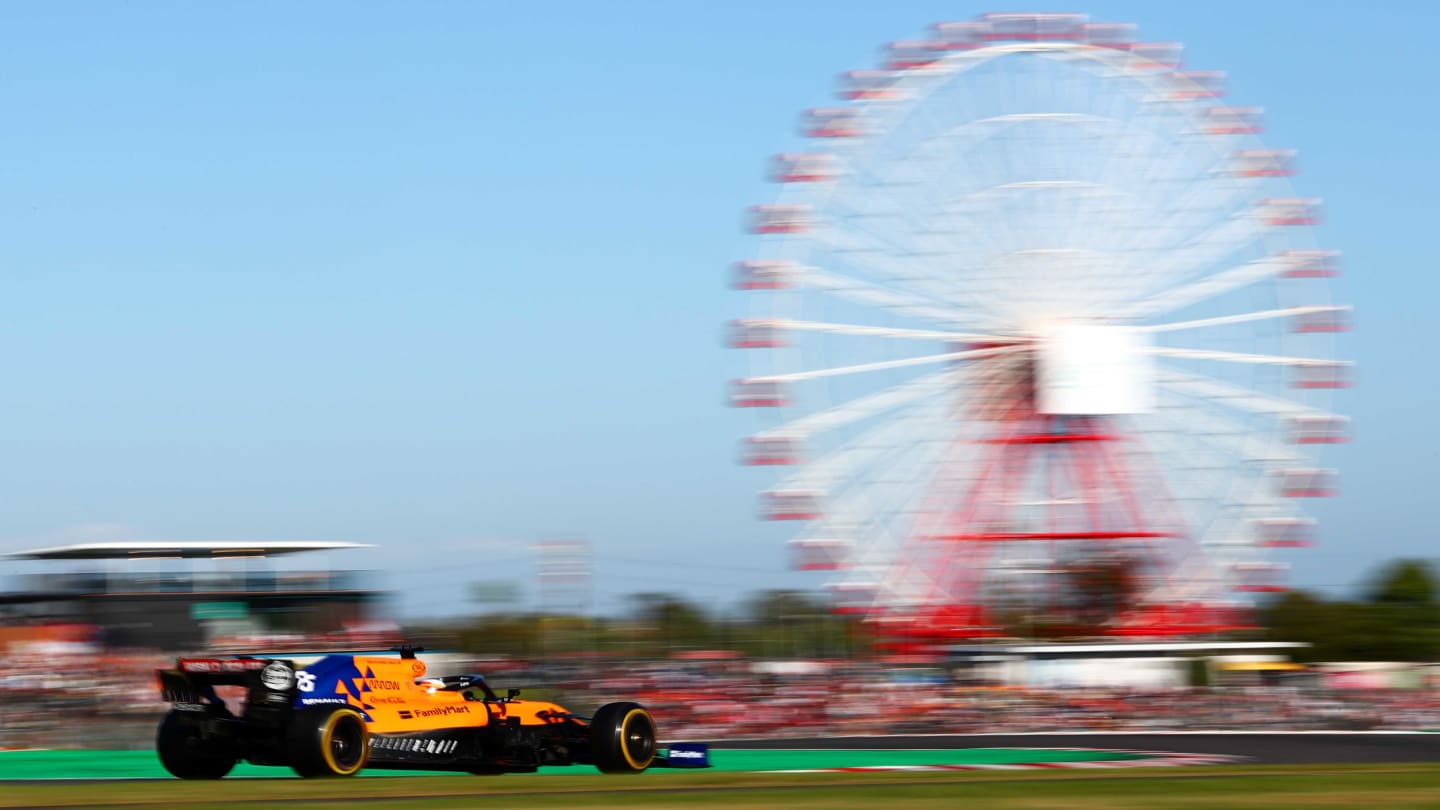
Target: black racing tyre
(186,754)
(327,742)
(622,738)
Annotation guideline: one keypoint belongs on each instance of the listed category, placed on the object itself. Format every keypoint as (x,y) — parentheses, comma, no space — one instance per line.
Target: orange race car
(343,713)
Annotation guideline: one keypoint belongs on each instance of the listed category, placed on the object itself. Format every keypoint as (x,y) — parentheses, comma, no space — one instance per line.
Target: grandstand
(186,595)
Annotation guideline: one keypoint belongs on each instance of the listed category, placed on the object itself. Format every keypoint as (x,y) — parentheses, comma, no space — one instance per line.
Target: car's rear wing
(193,680)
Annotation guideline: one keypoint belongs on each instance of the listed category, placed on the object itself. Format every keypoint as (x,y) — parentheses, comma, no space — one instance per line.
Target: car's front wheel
(185,753)
(622,738)
(328,742)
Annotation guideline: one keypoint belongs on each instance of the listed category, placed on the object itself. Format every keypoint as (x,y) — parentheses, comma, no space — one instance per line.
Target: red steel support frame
(1088,452)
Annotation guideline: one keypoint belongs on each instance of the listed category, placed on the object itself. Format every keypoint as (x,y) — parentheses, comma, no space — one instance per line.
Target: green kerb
(23,765)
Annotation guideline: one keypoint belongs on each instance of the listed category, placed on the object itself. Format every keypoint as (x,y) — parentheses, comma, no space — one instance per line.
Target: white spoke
(1237,357)
(1218,284)
(884,364)
(1212,390)
(1246,317)
(860,245)
(1237,439)
(860,451)
(1209,247)
(866,293)
(856,410)
(883,331)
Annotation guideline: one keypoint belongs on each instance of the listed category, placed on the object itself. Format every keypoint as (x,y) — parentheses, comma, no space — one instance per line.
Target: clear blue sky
(449,277)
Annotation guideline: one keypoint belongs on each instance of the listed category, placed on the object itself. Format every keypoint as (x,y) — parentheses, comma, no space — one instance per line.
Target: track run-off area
(74,766)
(1260,747)
(941,752)
(992,770)
(1396,785)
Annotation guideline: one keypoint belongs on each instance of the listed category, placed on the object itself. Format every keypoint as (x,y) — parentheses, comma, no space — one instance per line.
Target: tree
(795,623)
(1405,612)
(1398,620)
(671,622)
(1404,582)
(776,607)
(1305,617)
(502,634)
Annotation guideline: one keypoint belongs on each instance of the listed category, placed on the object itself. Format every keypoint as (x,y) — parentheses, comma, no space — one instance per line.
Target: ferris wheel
(1034,293)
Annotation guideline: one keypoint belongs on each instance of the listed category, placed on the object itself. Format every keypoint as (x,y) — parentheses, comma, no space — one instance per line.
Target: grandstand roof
(188,549)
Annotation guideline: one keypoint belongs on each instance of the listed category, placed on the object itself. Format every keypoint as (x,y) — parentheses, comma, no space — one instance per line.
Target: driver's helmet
(431,685)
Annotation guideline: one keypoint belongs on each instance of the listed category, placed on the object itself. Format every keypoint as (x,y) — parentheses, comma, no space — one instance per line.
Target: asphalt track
(1262,748)
(1266,748)
(72,765)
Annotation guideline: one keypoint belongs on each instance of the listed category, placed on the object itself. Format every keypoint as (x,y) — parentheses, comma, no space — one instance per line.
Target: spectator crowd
(72,697)
(868,700)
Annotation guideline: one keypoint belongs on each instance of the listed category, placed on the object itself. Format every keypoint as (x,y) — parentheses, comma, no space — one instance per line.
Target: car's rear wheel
(185,753)
(328,742)
(622,738)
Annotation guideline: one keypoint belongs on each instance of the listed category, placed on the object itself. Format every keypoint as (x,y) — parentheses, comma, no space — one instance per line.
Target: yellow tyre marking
(624,739)
(328,735)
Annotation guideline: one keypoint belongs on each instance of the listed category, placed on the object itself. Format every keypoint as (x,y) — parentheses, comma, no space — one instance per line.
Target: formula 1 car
(343,713)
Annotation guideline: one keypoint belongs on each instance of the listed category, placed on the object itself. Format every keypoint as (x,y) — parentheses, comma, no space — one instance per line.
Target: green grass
(26,765)
(1338,786)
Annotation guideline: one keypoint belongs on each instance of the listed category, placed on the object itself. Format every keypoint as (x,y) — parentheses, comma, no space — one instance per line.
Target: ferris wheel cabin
(1319,429)
(755,334)
(1030,27)
(1231,120)
(819,554)
(1192,84)
(1282,211)
(914,54)
(868,84)
(1308,482)
(770,451)
(1320,319)
(1311,263)
(1321,375)
(1109,35)
(1284,532)
(853,597)
(1155,56)
(1263,163)
(832,122)
(791,504)
(1259,577)
(803,167)
(758,394)
(780,219)
(763,275)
